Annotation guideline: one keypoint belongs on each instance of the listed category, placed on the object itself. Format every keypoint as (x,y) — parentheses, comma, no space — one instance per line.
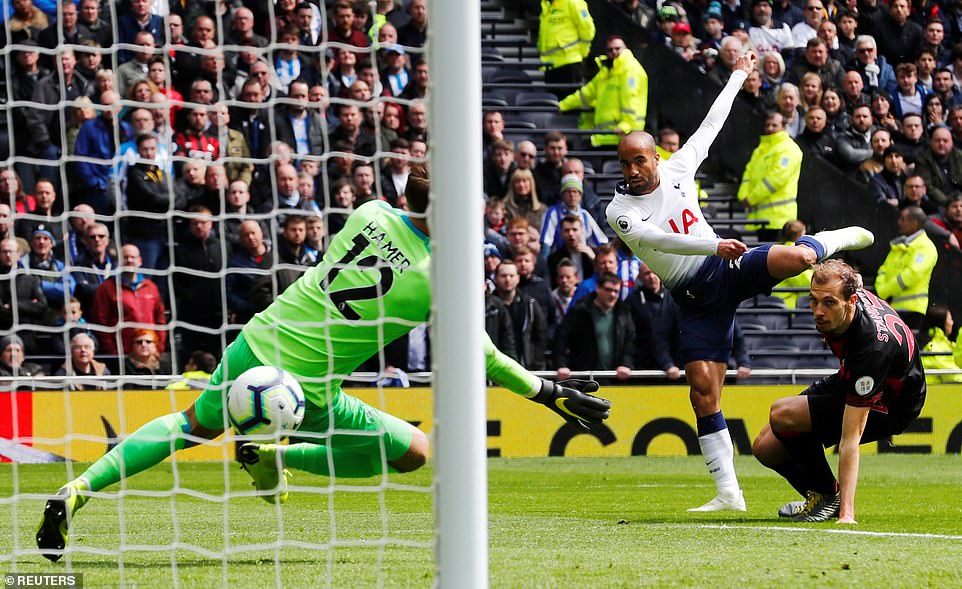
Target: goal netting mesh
(228,142)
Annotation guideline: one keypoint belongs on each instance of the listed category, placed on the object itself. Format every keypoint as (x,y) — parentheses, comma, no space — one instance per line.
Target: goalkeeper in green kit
(371,288)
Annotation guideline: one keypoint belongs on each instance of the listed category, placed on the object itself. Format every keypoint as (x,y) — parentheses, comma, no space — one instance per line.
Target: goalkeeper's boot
(731,501)
(791,509)
(819,508)
(55,524)
(261,462)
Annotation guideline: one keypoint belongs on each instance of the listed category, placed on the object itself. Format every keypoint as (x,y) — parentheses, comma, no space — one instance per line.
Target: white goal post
(460,475)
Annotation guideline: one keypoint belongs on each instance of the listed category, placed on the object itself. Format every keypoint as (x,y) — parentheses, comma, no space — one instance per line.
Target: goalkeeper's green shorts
(367,425)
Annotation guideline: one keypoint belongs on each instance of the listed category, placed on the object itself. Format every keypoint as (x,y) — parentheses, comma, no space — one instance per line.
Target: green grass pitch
(561,522)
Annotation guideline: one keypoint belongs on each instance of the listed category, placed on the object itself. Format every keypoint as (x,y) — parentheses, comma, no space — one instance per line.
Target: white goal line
(831,531)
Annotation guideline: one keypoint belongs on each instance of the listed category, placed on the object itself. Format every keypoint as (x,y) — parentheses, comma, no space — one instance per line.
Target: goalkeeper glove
(571,400)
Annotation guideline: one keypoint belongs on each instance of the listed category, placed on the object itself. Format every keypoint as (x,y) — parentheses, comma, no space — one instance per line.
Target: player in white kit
(655,212)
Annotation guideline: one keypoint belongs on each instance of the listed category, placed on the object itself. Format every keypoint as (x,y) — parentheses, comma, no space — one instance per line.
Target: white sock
(719,456)
(841,239)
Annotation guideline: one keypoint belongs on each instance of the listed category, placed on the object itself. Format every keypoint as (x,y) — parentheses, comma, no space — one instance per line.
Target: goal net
(169,169)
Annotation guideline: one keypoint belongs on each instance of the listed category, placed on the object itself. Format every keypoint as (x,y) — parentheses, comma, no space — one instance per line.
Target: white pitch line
(834,531)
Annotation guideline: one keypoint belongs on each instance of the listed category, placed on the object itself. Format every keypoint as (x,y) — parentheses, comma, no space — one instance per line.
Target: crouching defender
(371,288)
(877,392)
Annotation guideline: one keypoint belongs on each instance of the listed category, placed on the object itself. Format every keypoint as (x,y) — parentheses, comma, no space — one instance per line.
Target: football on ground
(265,401)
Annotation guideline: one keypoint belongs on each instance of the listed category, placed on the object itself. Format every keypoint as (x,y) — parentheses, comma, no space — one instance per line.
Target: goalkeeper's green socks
(149,445)
(318,459)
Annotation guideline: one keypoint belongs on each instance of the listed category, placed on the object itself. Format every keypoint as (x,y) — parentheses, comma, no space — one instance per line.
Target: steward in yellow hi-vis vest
(565,32)
(618,94)
(770,182)
(903,279)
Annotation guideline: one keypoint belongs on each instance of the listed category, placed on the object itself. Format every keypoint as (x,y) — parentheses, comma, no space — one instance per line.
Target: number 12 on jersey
(342,297)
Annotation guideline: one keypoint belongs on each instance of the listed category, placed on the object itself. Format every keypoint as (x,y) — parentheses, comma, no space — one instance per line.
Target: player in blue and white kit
(655,212)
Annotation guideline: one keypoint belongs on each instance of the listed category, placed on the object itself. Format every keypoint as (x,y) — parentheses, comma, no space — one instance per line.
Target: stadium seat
(771,321)
(537,99)
(516,136)
(503,76)
(763,302)
(828,362)
(494,99)
(513,121)
(491,55)
(751,326)
(611,167)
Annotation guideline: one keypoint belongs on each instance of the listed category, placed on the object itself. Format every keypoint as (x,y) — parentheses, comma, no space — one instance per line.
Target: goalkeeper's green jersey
(371,288)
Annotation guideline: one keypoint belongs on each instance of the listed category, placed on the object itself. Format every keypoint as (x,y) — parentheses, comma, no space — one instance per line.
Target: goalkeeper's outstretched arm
(571,399)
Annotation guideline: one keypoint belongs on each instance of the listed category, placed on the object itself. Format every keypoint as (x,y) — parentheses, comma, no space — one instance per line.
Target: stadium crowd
(178,182)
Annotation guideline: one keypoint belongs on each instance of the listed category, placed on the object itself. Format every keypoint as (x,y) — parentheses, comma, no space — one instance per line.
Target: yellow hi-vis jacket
(941,343)
(903,279)
(770,183)
(619,95)
(565,32)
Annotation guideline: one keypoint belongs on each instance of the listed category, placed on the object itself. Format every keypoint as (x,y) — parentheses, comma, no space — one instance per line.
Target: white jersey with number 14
(666,228)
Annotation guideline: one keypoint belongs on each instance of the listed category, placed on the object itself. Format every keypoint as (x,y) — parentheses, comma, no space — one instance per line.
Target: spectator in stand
(767,34)
(618,95)
(944,85)
(195,141)
(233,145)
(137,67)
(527,319)
(341,29)
(198,298)
(89,62)
(656,324)
(954,121)
(26,21)
(495,225)
(952,219)
(773,72)
(522,200)
(190,186)
(548,172)
(730,49)
(238,207)
(46,211)
(881,140)
(769,186)
(148,191)
(362,176)
(98,265)
(816,60)
(82,363)
(752,95)
(933,40)
(97,28)
(394,176)
(807,29)
(810,91)
(606,260)
(137,20)
(854,145)
(565,33)
(21,294)
(589,199)
(789,104)
(899,38)
(414,33)
(499,168)
(837,118)
(127,298)
(570,205)
(943,354)
(787,12)
(289,64)
(58,285)
(914,195)
(298,126)
(420,83)
(934,112)
(24,81)
(343,196)
(682,43)
(853,91)
(12,360)
(910,95)
(817,138)
(250,258)
(492,130)
(842,52)
(350,130)
(941,166)
(566,281)
(712,28)
(526,156)
(94,181)
(597,333)
(395,75)
(535,284)
(887,185)
(144,359)
(875,70)
(572,248)
(925,64)
(903,278)
(911,140)
(417,122)
(11,191)
(294,258)
(497,324)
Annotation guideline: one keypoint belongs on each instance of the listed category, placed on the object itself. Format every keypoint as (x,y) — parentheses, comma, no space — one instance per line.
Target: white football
(265,401)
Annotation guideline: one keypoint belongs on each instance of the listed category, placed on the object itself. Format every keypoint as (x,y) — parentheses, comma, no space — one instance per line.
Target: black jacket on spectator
(897,43)
(147,191)
(547,179)
(198,297)
(494,186)
(285,129)
(23,87)
(538,288)
(823,144)
(31,303)
(240,285)
(939,186)
(44,124)
(576,346)
(659,314)
(530,331)
(884,186)
(497,323)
